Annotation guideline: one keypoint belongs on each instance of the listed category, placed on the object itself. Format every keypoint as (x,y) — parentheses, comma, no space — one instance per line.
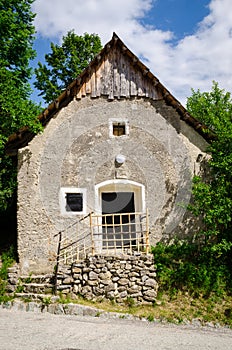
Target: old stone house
(112,170)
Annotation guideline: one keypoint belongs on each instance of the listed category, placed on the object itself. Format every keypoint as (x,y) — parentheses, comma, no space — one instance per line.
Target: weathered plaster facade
(77,151)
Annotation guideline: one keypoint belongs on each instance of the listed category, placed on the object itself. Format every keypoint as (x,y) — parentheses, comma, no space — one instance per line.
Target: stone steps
(37,297)
(40,279)
(29,284)
(44,288)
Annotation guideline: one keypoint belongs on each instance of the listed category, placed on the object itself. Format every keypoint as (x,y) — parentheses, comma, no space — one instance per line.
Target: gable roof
(114,73)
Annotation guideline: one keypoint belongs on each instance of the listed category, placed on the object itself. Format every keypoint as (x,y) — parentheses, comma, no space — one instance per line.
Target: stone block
(110,287)
(144,272)
(133,279)
(58,309)
(86,289)
(151,283)
(152,274)
(136,295)
(133,274)
(144,278)
(68,280)
(92,276)
(92,282)
(76,270)
(123,294)
(105,275)
(115,279)
(86,269)
(98,291)
(85,277)
(63,287)
(123,281)
(128,266)
(110,295)
(150,294)
(134,289)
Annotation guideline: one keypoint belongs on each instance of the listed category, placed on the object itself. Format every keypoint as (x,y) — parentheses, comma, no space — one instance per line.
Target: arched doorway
(120,205)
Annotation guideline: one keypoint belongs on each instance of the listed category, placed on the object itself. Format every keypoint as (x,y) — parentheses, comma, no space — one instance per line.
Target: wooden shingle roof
(114,73)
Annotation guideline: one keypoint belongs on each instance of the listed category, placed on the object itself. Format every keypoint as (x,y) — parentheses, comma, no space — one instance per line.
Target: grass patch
(181,308)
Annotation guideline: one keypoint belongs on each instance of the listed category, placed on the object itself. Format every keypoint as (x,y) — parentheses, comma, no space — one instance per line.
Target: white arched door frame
(121,185)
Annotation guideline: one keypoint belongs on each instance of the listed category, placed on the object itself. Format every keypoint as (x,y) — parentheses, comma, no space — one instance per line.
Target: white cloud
(55,18)
(194,61)
(206,55)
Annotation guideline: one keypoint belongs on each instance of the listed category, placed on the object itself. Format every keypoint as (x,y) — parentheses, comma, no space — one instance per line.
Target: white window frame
(113,121)
(63,192)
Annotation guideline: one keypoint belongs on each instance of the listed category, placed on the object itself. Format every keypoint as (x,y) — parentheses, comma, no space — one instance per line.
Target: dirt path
(20,330)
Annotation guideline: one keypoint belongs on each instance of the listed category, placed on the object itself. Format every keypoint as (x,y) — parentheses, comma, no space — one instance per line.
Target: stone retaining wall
(124,278)
(117,278)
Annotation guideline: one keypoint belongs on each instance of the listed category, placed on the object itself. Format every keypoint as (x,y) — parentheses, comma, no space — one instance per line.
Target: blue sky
(179,16)
(185,43)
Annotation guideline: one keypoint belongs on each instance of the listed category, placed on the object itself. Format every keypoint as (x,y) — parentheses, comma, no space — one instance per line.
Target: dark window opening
(119,129)
(74,202)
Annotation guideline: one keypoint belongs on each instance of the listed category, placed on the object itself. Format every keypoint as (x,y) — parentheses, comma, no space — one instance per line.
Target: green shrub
(7,258)
(188,266)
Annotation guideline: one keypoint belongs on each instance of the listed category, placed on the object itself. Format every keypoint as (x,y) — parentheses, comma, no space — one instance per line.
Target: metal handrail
(94,236)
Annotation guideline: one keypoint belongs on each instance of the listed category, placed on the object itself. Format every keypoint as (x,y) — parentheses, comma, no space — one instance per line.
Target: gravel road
(20,330)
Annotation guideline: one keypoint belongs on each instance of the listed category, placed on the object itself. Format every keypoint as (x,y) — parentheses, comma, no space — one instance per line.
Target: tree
(213,195)
(213,108)
(16,109)
(65,63)
(202,265)
(16,37)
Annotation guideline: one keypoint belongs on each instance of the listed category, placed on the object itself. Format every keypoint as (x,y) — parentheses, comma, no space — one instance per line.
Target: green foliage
(7,259)
(16,110)
(46,301)
(65,63)
(130,302)
(150,318)
(20,287)
(213,108)
(197,269)
(213,193)
(16,37)
(203,267)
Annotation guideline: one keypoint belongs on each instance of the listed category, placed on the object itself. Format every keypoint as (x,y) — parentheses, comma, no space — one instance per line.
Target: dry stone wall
(117,278)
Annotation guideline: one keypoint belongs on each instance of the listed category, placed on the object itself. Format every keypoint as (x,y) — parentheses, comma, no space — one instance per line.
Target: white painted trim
(62,200)
(121,185)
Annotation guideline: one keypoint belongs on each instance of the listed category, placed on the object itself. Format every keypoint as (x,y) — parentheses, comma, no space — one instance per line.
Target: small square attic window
(118,127)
